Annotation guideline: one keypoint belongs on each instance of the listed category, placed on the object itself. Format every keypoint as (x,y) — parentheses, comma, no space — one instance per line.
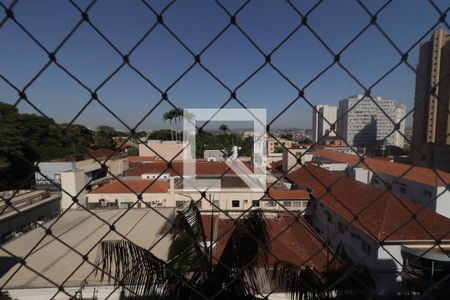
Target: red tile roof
(293,241)
(276,165)
(202,168)
(381,214)
(285,194)
(144,159)
(136,186)
(419,174)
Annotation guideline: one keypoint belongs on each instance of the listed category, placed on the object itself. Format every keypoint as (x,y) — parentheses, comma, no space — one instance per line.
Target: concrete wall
(73,182)
(290,158)
(166,150)
(42,210)
(124,200)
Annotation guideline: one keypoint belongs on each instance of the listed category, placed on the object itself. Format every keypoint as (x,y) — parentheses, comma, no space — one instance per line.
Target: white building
(321,115)
(363,123)
(422,185)
(355,218)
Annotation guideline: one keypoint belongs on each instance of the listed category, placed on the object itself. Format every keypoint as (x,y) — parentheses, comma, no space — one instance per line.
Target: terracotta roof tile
(419,174)
(293,241)
(136,186)
(285,194)
(145,159)
(381,214)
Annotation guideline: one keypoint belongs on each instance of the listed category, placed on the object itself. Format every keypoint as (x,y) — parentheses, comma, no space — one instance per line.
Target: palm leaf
(187,252)
(142,274)
(246,252)
(299,283)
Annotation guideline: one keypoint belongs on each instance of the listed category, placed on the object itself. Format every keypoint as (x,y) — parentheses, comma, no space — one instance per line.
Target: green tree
(163,135)
(173,115)
(224,128)
(287,136)
(28,138)
(133,151)
(104,137)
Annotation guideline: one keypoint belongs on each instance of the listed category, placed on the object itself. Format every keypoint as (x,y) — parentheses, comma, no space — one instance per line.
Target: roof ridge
(383,220)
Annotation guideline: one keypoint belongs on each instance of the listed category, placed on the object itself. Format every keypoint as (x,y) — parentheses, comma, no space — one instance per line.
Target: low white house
(392,236)
(425,186)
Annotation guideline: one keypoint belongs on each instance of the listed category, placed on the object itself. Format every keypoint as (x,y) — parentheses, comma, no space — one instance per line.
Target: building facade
(431,127)
(365,123)
(323,116)
(277,145)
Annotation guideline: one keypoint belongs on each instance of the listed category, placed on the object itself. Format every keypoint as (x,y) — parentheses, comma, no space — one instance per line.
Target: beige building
(275,145)
(431,127)
(167,150)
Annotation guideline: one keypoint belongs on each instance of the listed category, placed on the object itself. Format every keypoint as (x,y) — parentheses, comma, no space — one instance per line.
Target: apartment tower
(321,115)
(370,122)
(431,126)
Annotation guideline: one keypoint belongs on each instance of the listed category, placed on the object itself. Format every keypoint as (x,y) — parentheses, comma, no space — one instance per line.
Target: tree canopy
(28,138)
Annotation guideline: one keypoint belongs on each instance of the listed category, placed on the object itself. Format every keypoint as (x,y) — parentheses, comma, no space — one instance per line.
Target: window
(271,203)
(428,193)
(403,189)
(255,203)
(287,203)
(297,203)
(235,203)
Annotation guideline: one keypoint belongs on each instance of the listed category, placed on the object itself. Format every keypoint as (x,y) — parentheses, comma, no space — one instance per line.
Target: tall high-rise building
(320,126)
(431,126)
(364,123)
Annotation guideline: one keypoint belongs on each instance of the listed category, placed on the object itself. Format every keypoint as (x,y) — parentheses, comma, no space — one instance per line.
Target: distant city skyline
(231,58)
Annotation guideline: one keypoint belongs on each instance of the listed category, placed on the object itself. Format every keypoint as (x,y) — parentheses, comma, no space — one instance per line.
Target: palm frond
(142,274)
(245,254)
(187,252)
(299,283)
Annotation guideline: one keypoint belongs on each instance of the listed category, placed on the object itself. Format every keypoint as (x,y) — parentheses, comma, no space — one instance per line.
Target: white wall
(72,182)
(387,265)
(360,247)
(443,202)
(361,175)
(418,192)
(124,199)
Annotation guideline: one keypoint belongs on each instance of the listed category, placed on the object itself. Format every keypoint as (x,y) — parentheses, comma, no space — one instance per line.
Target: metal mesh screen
(384,253)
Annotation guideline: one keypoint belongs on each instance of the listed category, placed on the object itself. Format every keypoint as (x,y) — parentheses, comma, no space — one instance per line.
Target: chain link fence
(299,259)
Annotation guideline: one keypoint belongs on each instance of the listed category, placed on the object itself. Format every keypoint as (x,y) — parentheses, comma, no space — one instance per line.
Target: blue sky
(232,57)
